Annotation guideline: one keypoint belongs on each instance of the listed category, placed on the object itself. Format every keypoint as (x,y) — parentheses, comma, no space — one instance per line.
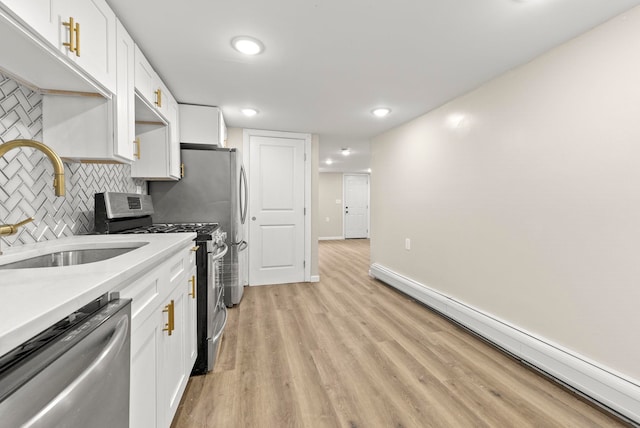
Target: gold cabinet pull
(158,97)
(71,44)
(170,310)
(195,248)
(193,286)
(77,39)
(136,154)
(182,170)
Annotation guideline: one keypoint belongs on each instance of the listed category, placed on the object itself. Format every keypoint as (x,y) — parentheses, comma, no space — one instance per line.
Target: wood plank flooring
(350,351)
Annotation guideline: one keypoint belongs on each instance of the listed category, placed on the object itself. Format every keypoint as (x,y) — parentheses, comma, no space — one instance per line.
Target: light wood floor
(350,351)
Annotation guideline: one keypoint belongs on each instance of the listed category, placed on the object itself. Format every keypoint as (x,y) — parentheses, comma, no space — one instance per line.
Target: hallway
(350,351)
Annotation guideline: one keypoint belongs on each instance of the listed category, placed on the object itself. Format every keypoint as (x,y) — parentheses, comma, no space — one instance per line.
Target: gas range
(118,213)
(205,231)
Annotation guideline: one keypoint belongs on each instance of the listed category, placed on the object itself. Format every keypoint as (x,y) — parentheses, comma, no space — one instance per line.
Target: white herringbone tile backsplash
(26,176)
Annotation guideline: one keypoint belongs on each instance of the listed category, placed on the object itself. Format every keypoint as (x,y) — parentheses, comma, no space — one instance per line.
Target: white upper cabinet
(38,14)
(202,125)
(93,128)
(157,124)
(148,84)
(83,31)
(125,146)
(91,41)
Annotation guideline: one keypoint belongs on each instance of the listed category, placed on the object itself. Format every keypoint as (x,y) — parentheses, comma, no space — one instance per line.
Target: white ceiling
(328,63)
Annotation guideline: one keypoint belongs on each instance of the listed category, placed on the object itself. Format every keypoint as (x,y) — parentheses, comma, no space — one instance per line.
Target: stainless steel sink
(70,257)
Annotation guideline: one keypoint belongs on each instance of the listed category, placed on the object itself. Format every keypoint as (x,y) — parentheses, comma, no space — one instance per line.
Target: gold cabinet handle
(182,170)
(71,44)
(136,154)
(195,248)
(158,97)
(77,39)
(170,310)
(193,286)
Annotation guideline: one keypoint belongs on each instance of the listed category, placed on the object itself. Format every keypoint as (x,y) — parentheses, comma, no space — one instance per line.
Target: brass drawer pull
(170,310)
(193,286)
(136,154)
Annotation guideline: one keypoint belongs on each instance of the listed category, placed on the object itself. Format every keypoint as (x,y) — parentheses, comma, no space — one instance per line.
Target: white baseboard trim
(331,238)
(315,278)
(610,389)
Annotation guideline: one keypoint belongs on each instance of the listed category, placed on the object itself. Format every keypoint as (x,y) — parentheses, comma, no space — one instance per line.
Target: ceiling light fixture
(249,112)
(345,152)
(381,112)
(247,45)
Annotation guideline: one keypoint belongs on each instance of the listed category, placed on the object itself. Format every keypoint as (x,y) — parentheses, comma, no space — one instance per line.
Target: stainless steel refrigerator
(213,189)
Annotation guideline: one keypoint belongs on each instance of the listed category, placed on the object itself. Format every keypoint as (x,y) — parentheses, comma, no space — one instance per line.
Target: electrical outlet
(407,244)
(138,189)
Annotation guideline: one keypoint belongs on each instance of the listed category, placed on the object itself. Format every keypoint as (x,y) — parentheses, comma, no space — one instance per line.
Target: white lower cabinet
(191,338)
(161,329)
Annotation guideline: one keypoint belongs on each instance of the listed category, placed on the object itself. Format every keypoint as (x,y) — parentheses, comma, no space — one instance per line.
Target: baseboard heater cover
(612,390)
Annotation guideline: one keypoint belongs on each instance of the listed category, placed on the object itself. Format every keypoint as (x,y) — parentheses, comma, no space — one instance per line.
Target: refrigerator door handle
(243,197)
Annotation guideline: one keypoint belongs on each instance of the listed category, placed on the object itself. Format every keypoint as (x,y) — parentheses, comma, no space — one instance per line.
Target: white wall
(522,198)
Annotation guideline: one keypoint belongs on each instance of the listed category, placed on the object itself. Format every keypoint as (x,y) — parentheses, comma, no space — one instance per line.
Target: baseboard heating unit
(606,388)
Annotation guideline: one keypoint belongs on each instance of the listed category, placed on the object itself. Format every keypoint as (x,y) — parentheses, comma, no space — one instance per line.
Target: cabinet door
(95,42)
(154,153)
(190,318)
(174,136)
(37,14)
(145,338)
(172,376)
(146,79)
(125,118)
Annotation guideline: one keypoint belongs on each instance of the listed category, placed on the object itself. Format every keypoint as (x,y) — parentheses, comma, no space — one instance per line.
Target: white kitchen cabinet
(161,328)
(173,378)
(125,146)
(93,47)
(93,128)
(202,125)
(149,85)
(157,124)
(191,337)
(40,15)
(158,142)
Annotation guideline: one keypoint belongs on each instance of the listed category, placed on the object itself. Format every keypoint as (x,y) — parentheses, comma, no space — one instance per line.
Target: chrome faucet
(58,179)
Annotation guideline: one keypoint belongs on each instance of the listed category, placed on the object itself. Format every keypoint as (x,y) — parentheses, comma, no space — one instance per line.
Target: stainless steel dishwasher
(73,374)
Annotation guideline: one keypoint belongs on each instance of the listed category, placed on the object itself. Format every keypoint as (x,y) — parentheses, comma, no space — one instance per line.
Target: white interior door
(276,210)
(356,206)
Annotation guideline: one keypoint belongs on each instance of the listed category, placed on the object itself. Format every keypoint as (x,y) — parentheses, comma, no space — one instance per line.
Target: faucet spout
(58,166)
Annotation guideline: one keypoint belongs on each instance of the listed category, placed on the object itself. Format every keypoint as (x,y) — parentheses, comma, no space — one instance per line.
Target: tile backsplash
(26,176)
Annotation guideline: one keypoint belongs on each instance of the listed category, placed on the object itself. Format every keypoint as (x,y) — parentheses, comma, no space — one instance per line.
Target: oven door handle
(220,254)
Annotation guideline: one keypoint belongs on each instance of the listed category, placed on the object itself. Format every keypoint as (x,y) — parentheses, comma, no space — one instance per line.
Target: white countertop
(34,299)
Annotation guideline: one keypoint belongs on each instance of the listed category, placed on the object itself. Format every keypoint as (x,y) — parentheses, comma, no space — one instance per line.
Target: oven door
(216,309)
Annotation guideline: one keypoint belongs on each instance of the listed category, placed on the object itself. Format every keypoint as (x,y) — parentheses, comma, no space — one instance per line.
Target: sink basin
(70,257)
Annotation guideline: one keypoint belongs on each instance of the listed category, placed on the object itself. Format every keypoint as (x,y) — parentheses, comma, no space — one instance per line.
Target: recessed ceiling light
(381,112)
(247,45)
(345,152)
(328,161)
(249,112)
